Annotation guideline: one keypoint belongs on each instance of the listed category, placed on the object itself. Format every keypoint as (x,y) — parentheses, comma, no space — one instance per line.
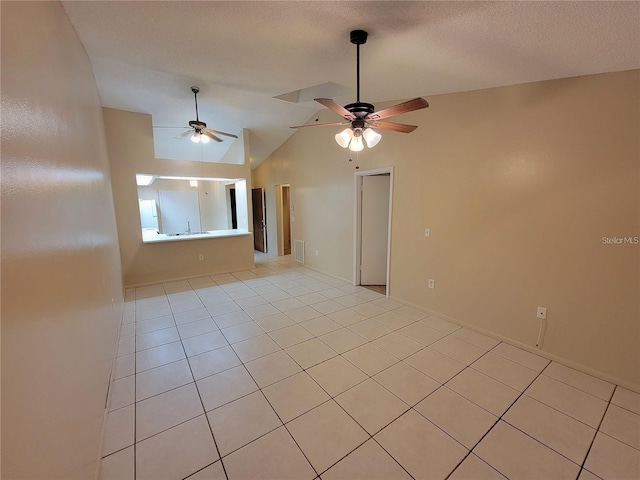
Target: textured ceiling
(146,55)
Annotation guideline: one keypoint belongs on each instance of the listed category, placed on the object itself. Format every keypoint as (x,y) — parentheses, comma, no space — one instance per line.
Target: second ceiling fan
(198,130)
(361,116)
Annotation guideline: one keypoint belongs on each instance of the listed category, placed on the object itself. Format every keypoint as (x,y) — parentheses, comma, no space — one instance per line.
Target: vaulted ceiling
(146,55)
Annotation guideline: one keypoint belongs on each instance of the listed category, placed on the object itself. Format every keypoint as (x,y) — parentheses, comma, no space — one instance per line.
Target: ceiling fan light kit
(371,137)
(362,117)
(352,138)
(199,138)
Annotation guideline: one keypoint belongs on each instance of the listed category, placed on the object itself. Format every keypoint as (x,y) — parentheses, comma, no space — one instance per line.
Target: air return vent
(298,251)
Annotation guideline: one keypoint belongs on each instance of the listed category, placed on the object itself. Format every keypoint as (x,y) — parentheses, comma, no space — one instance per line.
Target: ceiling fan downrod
(195,91)
(358,37)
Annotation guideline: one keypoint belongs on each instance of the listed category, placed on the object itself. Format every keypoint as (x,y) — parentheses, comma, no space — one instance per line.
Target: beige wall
(518,185)
(60,260)
(130,146)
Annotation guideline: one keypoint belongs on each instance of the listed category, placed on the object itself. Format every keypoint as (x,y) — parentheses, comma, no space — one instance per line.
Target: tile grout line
(596,433)
(523,393)
(204,410)
(494,424)
(331,397)
(326,401)
(279,272)
(282,422)
(340,354)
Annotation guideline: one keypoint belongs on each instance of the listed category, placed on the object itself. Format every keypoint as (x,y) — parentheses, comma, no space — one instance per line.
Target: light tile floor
(284,373)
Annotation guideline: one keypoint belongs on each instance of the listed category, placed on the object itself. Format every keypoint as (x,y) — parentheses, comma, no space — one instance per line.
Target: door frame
(357,234)
(280,213)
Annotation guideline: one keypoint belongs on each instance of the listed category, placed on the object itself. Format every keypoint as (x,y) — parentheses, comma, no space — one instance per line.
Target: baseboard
(582,368)
(568,363)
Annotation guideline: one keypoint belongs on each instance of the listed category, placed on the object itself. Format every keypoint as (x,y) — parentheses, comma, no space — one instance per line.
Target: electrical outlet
(427,232)
(201,256)
(542,313)
(316,253)
(432,283)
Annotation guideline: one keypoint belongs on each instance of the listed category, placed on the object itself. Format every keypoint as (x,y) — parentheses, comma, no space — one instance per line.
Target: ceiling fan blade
(221,133)
(395,127)
(404,107)
(211,135)
(339,109)
(184,134)
(332,124)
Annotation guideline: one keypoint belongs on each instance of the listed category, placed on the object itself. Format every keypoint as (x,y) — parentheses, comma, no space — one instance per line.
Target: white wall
(61,277)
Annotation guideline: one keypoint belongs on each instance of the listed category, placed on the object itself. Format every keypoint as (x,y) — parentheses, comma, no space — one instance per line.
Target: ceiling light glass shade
(204,138)
(344,137)
(195,138)
(371,137)
(356,144)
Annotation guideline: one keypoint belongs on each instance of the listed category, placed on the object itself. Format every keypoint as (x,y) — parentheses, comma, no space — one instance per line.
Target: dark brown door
(286,220)
(259,220)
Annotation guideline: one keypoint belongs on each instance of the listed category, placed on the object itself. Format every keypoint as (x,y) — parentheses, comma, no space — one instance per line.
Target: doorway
(373,228)
(283,218)
(233,209)
(259,220)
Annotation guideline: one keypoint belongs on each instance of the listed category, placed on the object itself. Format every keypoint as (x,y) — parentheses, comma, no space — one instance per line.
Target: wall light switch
(427,232)
(201,256)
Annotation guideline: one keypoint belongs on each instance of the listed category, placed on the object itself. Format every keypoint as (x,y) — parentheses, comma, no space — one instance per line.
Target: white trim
(279,221)
(357,178)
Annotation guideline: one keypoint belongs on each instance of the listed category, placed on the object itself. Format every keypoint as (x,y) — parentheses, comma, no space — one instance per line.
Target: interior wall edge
(190,277)
(542,353)
(348,280)
(120,315)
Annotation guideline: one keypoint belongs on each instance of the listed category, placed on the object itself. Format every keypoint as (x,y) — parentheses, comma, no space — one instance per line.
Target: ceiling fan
(361,116)
(198,130)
